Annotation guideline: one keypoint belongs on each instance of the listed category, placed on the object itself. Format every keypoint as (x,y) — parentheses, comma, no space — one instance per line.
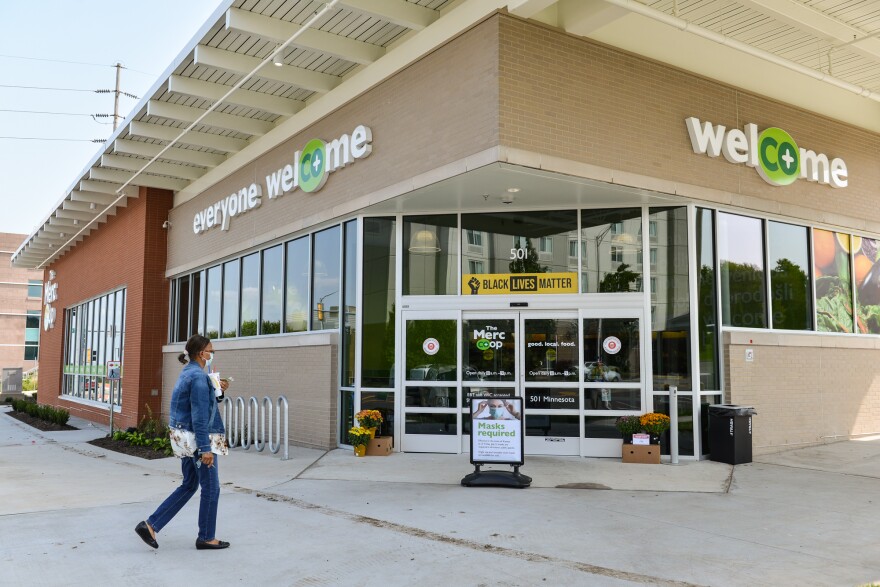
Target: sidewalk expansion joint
(464,543)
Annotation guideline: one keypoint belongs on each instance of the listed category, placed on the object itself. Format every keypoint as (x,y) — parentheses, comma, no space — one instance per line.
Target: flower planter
(360,450)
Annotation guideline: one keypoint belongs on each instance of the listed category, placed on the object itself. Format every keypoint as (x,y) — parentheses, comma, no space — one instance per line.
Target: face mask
(210,360)
(496,412)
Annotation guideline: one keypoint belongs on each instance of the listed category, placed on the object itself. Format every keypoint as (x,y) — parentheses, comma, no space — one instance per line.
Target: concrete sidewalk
(805,517)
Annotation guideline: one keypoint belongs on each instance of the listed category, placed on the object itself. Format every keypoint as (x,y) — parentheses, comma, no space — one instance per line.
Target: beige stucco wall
(302,367)
(807,388)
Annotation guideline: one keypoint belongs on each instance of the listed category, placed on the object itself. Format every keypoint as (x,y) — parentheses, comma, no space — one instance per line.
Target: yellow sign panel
(481,284)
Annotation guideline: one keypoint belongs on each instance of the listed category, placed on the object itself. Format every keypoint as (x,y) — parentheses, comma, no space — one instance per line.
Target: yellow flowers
(369,418)
(654,423)
(358,435)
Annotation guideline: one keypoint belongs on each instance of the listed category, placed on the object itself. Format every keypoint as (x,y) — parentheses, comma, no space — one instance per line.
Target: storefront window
(488,349)
(831,262)
(94,334)
(670,301)
(707,317)
(296,313)
(384,402)
(430,255)
(182,308)
(231,275)
(32,335)
(867,273)
(612,251)
(349,284)
(511,243)
(741,254)
(685,424)
(377,364)
(790,291)
(197,317)
(272,277)
(250,294)
(212,302)
(326,279)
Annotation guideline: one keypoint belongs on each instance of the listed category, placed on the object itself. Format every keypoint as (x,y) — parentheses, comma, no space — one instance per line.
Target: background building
(21,292)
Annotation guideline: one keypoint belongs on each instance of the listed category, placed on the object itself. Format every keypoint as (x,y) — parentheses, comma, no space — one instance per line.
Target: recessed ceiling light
(512,190)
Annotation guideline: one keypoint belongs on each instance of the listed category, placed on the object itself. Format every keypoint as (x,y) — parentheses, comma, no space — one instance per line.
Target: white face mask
(209,360)
(496,412)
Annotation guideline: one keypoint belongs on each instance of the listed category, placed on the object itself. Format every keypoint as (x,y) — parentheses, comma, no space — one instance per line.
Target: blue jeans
(193,477)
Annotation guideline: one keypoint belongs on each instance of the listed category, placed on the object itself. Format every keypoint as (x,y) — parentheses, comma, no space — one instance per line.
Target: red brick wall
(128,251)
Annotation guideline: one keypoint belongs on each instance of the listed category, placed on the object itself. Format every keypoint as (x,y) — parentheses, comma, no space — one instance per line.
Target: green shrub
(157,443)
(151,426)
(29,383)
(58,416)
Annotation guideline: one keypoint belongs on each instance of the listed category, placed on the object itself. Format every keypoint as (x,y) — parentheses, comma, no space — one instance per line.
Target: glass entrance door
(613,377)
(577,371)
(431,389)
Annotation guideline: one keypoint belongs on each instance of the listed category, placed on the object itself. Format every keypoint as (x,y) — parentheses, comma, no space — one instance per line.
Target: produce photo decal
(831,255)
(867,274)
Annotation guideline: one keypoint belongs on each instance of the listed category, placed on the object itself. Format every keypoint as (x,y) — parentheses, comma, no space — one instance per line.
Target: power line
(75,63)
(45,88)
(102,91)
(53,139)
(57,113)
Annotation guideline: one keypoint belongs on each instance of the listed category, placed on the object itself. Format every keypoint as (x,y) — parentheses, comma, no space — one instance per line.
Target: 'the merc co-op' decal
(308,172)
(773,153)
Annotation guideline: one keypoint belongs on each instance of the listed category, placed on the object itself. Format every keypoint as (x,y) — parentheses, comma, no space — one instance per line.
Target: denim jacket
(193,406)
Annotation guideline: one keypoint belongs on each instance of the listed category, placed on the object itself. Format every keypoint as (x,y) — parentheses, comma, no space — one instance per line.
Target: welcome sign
(772,152)
(308,172)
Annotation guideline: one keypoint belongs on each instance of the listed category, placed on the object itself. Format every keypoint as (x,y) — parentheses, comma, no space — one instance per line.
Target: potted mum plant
(358,437)
(627,426)
(655,424)
(369,419)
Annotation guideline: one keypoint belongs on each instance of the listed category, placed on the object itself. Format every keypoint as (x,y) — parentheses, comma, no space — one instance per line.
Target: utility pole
(116,97)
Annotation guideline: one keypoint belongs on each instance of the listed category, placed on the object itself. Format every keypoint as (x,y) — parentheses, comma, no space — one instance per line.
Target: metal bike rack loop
(247,423)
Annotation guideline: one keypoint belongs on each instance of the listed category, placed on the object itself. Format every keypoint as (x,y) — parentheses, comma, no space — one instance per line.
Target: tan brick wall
(439,110)
(576,99)
(807,388)
(128,251)
(306,374)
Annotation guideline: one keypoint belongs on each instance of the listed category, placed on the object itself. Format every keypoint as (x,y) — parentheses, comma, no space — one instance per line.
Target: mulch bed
(144,452)
(37,423)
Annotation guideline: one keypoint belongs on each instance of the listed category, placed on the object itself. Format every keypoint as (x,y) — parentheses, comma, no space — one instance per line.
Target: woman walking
(194,413)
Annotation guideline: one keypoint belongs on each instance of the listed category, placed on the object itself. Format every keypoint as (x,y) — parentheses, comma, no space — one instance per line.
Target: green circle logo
(778,157)
(312,166)
(482,344)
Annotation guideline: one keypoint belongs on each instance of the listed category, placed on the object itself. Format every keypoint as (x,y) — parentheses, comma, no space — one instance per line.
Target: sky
(144,35)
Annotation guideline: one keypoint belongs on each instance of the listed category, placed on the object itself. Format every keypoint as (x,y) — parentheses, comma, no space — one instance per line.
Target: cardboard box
(637,453)
(379,446)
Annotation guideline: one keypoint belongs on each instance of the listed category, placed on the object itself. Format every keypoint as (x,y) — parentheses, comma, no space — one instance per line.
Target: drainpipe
(683,25)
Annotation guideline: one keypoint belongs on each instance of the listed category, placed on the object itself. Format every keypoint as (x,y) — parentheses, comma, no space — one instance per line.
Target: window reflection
(517,242)
(230,298)
(867,274)
(741,254)
(212,302)
(325,285)
(707,315)
(429,256)
(612,252)
(250,294)
(670,301)
(296,317)
(272,274)
(790,277)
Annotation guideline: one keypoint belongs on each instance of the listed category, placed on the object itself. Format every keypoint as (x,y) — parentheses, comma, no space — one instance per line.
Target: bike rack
(247,424)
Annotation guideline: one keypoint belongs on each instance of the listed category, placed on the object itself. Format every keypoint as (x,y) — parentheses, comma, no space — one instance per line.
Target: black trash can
(730,433)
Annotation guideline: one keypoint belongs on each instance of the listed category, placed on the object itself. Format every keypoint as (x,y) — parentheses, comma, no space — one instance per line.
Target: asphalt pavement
(801,517)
